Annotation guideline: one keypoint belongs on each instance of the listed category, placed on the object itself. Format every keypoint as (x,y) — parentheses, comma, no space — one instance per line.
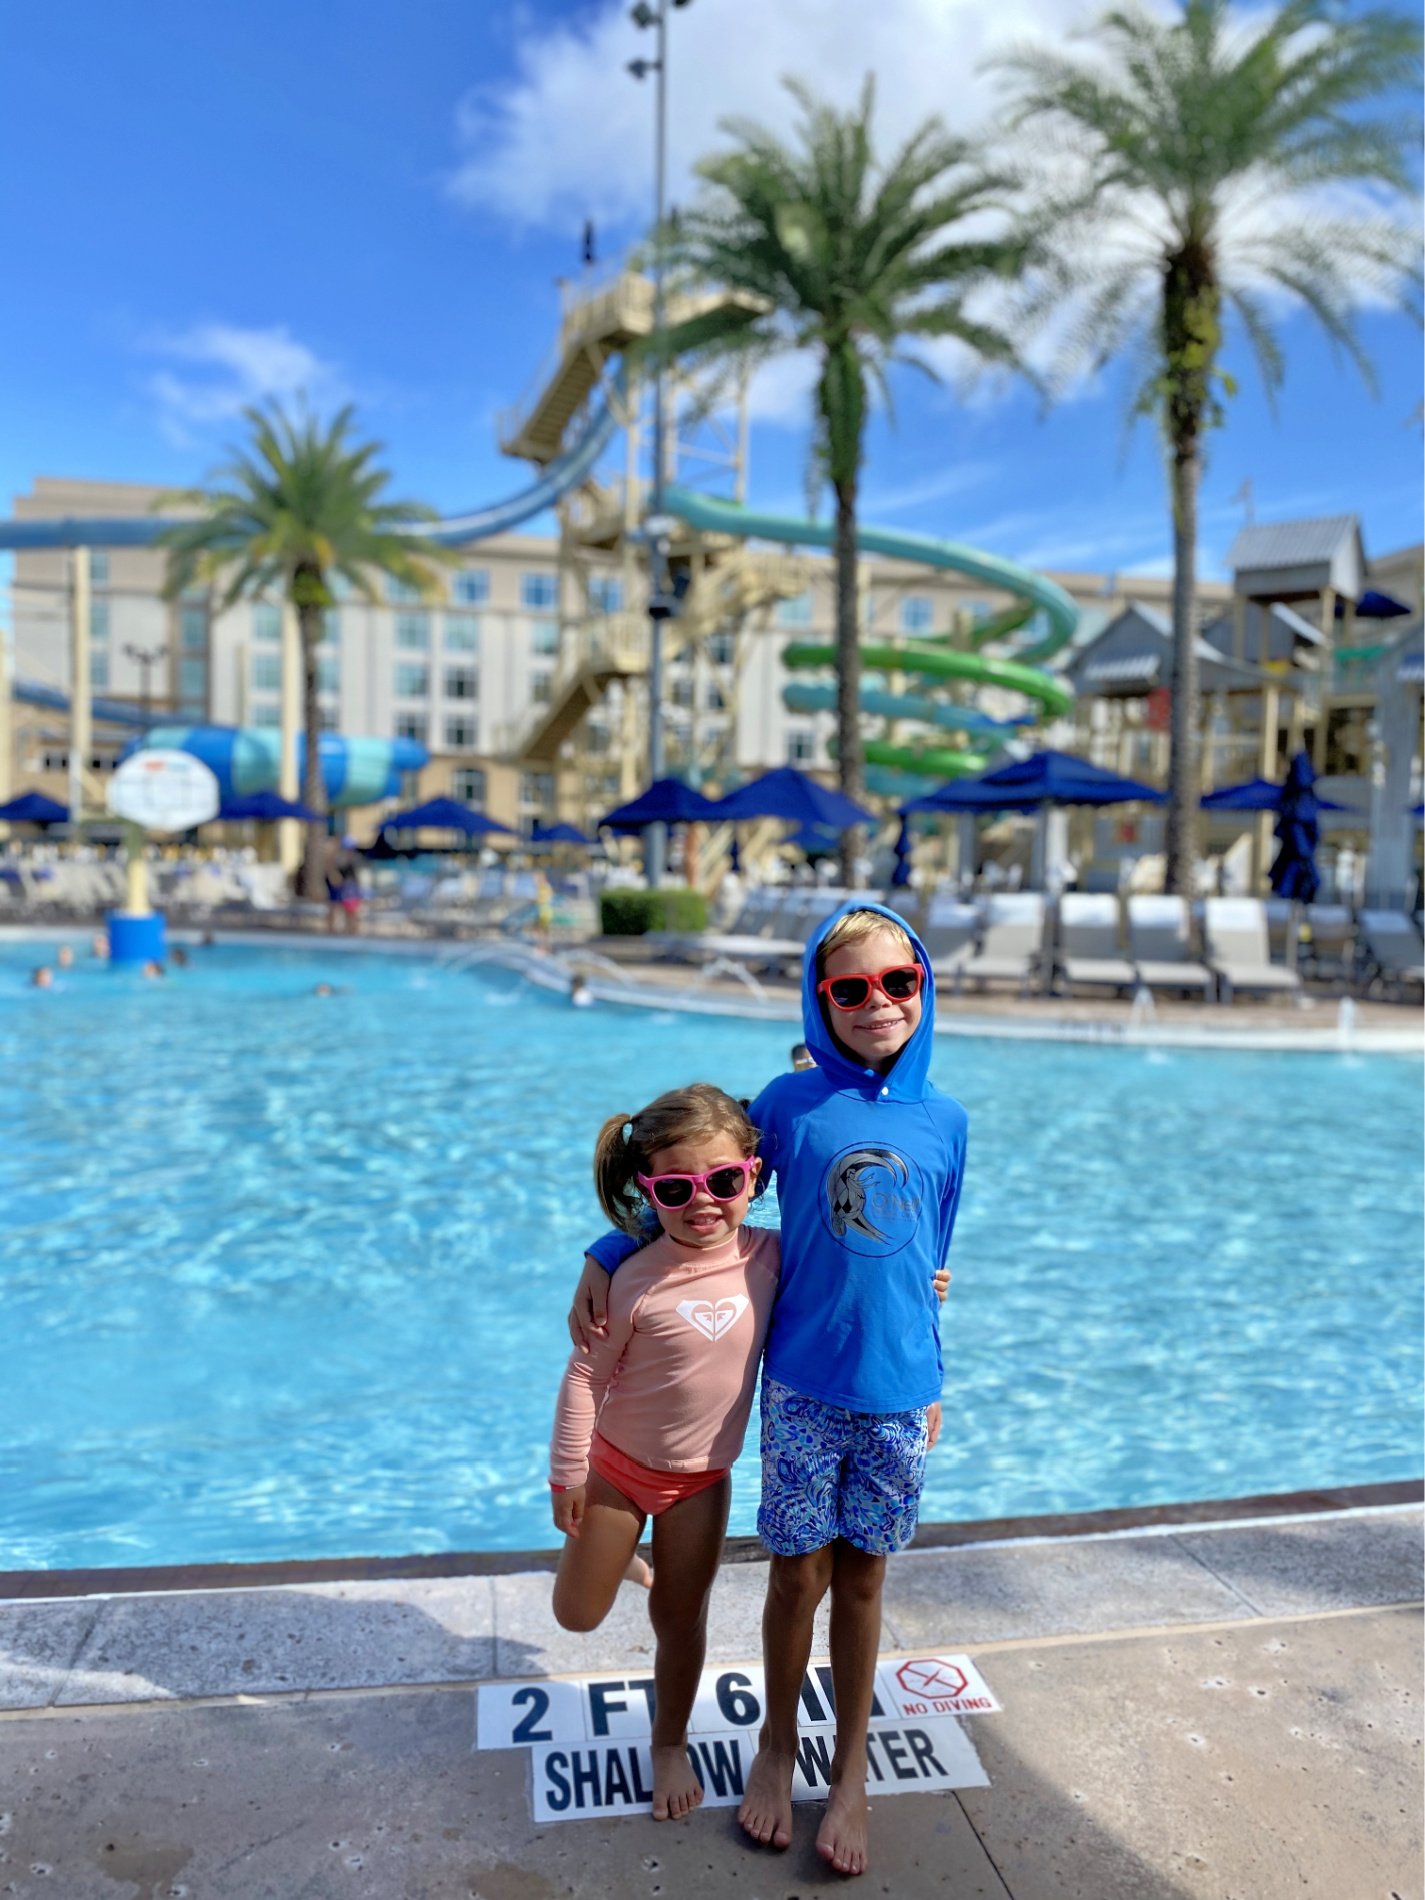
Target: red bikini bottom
(652,1491)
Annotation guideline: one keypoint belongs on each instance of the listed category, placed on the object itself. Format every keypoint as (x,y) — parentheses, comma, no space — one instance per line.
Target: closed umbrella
(792,795)
(900,877)
(1294,874)
(667,801)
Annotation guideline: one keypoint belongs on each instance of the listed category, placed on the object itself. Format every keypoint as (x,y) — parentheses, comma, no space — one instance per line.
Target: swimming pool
(285,1276)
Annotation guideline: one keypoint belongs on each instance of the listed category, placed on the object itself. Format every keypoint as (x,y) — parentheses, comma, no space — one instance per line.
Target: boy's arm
(586,1318)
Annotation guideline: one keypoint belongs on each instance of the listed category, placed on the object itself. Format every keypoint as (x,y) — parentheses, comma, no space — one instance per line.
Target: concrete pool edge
(21,1586)
(1223,1031)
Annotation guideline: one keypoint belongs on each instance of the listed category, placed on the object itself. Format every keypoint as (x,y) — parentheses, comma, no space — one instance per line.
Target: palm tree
(1200,154)
(297,507)
(845,257)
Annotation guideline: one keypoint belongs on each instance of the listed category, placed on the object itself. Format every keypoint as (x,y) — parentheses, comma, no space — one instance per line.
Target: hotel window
(193,685)
(605,593)
(539,687)
(716,698)
(411,725)
(265,712)
(98,567)
(267,672)
(544,637)
(412,681)
(471,587)
(267,623)
(327,718)
(193,629)
(917,614)
(795,612)
(538,592)
(800,745)
(682,692)
(467,783)
(331,625)
(976,610)
(462,633)
(98,620)
(536,789)
(460,733)
(400,590)
(98,669)
(413,632)
(462,682)
(596,740)
(722,649)
(328,673)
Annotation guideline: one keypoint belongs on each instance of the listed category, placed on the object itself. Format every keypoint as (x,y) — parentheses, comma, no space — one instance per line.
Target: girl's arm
(581,1392)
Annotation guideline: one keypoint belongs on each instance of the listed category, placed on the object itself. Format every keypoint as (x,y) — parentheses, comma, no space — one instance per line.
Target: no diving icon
(588,1736)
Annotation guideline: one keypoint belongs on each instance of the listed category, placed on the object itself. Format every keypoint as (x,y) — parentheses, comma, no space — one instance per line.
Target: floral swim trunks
(829,1473)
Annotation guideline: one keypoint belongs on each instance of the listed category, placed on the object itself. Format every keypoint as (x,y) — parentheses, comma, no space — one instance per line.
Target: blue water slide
(566,471)
(247,759)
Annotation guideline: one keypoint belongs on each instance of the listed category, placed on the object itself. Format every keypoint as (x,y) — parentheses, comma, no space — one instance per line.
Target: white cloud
(223,368)
(570,136)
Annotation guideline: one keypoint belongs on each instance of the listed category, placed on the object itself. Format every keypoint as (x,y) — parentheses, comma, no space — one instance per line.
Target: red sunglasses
(677,1190)
(898,983)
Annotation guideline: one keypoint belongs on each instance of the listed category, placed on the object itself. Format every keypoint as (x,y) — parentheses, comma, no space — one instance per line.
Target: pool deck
(1222,1708)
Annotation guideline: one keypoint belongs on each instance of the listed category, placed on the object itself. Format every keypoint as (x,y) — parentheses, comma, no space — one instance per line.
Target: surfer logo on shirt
(872,1199)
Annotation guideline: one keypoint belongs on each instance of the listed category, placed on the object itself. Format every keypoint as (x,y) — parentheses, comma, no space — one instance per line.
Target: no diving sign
(588,1736)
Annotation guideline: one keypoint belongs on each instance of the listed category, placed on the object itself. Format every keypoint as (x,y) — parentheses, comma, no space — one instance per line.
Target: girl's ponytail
(616,1168)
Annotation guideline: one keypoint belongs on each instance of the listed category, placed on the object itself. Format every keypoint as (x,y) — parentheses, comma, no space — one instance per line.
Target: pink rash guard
(671,1384)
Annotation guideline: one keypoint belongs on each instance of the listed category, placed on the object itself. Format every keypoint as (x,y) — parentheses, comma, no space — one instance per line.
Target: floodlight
(643,15)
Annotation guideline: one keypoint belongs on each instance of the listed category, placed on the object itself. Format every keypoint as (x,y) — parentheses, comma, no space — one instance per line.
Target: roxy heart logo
(713,1318)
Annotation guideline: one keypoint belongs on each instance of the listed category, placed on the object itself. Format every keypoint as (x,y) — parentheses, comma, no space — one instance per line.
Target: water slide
(926,661)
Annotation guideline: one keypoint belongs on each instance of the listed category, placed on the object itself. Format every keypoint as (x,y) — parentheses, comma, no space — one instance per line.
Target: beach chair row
(1225,945)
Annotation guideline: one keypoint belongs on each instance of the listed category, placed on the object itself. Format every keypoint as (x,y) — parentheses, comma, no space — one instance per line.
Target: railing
(617,642)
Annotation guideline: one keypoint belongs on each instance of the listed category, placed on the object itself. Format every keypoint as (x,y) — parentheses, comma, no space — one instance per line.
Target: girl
(649,1421)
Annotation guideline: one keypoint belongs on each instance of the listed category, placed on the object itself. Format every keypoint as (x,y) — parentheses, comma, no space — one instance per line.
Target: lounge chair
(1013,942)
(1088,942)
(1239,951)
(1281,939)
(1331,941)
(948,931)
(1391,949)
(1160,945)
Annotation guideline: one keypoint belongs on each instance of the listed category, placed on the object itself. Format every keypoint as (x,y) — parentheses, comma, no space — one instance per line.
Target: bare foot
(639,1572)
(676,1789)
(844,1835)
(766,1811)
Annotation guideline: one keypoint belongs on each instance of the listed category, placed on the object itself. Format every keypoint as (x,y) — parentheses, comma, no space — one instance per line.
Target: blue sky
(202,206)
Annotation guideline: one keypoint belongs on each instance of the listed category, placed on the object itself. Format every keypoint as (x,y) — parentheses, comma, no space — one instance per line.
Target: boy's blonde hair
(626,1142)
(855,927)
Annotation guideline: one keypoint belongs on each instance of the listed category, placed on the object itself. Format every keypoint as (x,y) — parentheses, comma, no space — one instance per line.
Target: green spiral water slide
(933,661)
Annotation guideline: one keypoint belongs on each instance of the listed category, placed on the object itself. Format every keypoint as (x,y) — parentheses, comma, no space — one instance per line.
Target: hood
(907,1080)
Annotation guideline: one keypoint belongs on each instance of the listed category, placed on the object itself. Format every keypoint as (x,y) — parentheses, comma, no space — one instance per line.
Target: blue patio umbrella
(1258,794)
(1418,811)
(264,808)
(790,794)
(34,808)
(1044,778)
(815,841)
(443,814)
(1294,874)
(900,877)
(667,801)
(558,834)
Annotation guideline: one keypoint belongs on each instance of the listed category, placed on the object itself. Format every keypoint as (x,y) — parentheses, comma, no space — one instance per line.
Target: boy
(869,1159)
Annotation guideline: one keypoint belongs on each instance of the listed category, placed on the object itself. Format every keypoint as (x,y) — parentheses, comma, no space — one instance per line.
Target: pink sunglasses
(677,1190)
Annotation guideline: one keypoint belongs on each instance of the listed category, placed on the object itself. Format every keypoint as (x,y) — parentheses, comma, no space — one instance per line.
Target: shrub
(631,913)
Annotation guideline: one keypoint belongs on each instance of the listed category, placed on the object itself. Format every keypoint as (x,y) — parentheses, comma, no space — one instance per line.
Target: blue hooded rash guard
(868,1170)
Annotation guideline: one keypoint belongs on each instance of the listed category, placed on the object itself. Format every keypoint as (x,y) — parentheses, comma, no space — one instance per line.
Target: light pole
(661,603)
(146,657)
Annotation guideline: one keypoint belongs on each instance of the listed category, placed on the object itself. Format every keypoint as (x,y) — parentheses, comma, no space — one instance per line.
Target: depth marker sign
(588,1736)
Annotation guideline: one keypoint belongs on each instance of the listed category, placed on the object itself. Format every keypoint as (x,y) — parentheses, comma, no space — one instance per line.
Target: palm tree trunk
(1183,765)
(314,888)
(848,669)
(1191,334)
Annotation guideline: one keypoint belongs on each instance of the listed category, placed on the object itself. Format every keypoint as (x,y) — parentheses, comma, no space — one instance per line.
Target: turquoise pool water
(285,1276)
